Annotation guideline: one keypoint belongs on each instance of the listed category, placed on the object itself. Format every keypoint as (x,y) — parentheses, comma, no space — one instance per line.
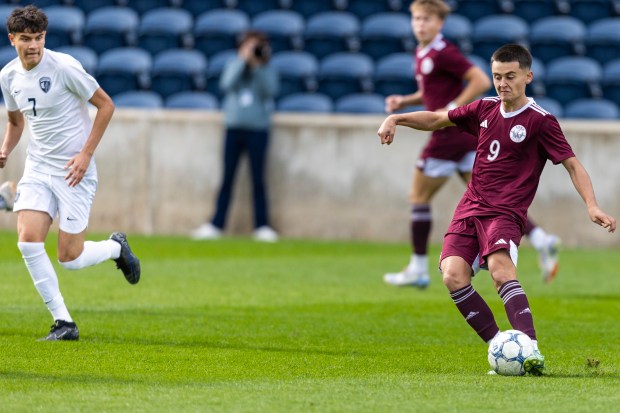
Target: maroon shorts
(474,237)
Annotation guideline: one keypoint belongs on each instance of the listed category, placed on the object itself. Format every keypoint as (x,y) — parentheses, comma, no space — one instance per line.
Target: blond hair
(438,7)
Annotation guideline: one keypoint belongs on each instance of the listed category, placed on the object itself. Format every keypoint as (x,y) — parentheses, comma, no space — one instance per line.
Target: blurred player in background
(446,80)
(516,137)
(52,91)
(8,190)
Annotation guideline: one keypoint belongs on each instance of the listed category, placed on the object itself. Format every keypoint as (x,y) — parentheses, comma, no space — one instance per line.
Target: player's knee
(454,279)
(71,261)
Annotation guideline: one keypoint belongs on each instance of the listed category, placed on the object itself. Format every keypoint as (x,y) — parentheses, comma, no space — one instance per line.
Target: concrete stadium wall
(329,178)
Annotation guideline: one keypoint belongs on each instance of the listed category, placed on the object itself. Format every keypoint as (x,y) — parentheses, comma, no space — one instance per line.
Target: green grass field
(299,326)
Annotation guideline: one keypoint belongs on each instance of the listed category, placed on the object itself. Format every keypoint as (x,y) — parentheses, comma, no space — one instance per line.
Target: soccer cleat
(265,234)
(407,278)
(63,331)
(548,258)
(7,192)
(127,262)
(534,364)
(206,231)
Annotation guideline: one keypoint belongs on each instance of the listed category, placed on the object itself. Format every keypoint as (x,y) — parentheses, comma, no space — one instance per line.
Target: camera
(261,51)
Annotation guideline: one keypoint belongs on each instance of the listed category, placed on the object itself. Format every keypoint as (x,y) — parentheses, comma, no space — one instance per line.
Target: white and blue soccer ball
(507,352)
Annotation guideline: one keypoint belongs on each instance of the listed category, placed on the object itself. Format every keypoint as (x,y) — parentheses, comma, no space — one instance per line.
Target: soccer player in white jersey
(516,137)
(50,92)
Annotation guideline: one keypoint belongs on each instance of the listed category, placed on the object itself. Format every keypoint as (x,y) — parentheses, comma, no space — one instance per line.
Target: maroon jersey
(439,71)
(511,154)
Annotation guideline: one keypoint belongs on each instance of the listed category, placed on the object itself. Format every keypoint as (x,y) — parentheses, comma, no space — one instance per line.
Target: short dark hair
(29,19)
(513,53)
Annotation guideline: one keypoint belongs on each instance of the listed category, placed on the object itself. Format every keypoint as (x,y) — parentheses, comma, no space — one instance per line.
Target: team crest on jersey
(45,83)
(518,133)
(427,65)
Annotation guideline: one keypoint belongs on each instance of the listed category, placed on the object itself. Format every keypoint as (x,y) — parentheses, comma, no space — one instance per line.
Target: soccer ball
(507,352)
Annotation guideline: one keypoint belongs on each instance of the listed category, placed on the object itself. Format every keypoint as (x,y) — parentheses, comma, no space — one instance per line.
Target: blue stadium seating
(219,29)
(458,30)
(144,99)
(366,8)
(110,27)
(537,87)
(557,36)
(571,78)
(198,7)
(590,10)
(394,75)
(492,32)
(254,7)
(309,8)
(592,109)
(360,103)
(192,100)
(611,81)
(89,5)
(532,10)
(345,73)
(214,69)
(86,56)
(477,9)
(603,40)
(165,28)
(306,102)
(42,3)
(7,53)
(386,33)
(5,11)
(65,26)
(550,105)
(298,71)
(177,70)
(124,69)
(285,28)
(144,6)
(331,32)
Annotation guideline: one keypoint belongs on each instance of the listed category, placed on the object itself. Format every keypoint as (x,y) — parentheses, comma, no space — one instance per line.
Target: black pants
(237,142)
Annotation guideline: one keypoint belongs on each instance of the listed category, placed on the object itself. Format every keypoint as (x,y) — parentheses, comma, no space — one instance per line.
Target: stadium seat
(537,87)
(285,28)
(590,10)
(297,70)
(124,69)
(492,32)
(550,105)
(86,56)
(532,10)
(557,36)
(611,81)
(42,3)
(458,30)
(110,27)
(5,12)
(254,7)
(394,74)
(65,26)
(192,100)
(198,7)
(306,102)
(386,33)
(165,28)
(144,99)
(7,53)
(219,29)
(592,109)
(603,40)
(177,70)
(366,8)
(144,6)
(477,9)
(214,69)
(570,78)
(331,32)
(345,73)
(309,8)
(360,103)
(89,5)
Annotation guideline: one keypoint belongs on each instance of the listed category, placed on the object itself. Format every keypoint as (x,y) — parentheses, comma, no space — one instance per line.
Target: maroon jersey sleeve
(466,117)
(553,142)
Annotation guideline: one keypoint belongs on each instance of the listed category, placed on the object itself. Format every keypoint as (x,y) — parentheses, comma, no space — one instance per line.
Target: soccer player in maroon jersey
(452,81)
(515,139)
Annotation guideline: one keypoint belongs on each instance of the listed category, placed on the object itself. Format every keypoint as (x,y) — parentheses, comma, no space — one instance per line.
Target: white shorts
(50,193)
(440,168)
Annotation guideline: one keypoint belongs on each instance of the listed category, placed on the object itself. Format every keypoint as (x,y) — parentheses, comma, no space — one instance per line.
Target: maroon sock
(476,312)
(420,228)
(517,308)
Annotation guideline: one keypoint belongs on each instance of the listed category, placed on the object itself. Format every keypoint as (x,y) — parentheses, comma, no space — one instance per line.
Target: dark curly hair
(29,19)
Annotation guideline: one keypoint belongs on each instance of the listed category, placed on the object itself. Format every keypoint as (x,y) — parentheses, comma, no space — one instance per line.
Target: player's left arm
(477,83)
(583,184)
(78,165)
(423,120)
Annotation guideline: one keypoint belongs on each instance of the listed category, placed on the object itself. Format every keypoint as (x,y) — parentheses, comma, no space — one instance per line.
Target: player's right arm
(14,129)
(396,102)
(424,120)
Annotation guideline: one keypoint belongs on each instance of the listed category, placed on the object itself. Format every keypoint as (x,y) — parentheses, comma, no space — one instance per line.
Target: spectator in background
(249,84)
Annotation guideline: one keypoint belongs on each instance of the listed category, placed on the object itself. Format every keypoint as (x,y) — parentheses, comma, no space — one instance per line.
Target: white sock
(538,238)
(419,263)
(535,344)
(94,253)
(44,278)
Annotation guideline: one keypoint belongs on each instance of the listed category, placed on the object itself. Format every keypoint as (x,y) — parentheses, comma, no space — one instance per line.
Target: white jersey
(53,97)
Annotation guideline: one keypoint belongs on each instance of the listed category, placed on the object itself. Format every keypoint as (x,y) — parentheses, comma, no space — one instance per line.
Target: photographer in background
(249,84)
